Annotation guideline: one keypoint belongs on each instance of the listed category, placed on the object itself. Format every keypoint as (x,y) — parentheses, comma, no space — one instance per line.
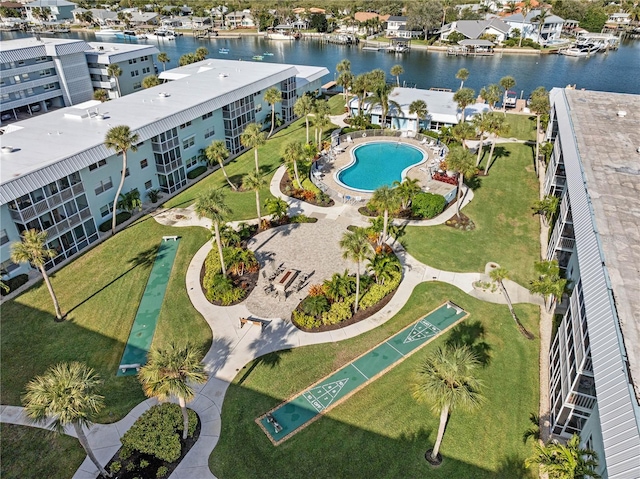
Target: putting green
(293,415)
(144,324)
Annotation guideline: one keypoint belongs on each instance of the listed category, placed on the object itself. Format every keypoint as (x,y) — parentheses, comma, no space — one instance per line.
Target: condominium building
(57,175)
(595,355)
(39,74)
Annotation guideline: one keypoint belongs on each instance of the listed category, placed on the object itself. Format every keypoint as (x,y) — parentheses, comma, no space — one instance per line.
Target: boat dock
(342,39)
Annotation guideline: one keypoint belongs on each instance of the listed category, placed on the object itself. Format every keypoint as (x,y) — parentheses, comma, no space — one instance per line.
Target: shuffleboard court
(294,414)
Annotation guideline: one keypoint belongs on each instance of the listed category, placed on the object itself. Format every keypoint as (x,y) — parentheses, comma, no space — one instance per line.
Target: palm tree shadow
(217,355)
(143,258)
(471,334)
(512,467)
(274,340)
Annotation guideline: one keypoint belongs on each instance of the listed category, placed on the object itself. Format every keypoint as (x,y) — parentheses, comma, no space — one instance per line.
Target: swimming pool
(377,164)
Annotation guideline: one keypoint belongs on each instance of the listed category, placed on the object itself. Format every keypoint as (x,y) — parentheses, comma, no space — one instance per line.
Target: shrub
(125,453)
(120,218)
(427,205)
(308,195)
(220,288)
(162,471)
(143,463)
(196,172)
(14,283)
(115,466)
(302,219)
(378,291)
(339,311)
(315,305)
(317,290)
(305,321)
(153,195)
(131,466)
(157,432)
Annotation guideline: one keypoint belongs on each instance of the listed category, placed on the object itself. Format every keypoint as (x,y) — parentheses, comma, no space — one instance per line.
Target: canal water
(616,71)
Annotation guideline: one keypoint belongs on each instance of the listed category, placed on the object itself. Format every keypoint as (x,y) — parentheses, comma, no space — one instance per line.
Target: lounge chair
(349,139)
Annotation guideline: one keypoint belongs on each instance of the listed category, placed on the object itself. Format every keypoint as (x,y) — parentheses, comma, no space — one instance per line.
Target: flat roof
(608,146)
(115,52)
(47,147)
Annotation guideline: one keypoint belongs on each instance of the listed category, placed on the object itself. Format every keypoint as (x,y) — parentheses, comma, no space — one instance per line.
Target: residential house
(239,19)
(394,23)
(59,10)
(529,26)
(475,29)
(99,15)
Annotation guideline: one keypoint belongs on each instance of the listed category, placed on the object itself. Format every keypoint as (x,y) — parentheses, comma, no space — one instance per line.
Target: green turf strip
(295,413)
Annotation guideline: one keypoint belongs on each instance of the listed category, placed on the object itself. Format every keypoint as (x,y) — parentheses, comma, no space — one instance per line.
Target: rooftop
(41,144)
(117,52)
(608,145)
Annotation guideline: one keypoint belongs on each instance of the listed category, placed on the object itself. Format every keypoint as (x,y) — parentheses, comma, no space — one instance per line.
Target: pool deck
(328,169)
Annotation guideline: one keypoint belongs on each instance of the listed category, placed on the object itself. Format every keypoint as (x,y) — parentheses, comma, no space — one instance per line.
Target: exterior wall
(29,81)
(75,80)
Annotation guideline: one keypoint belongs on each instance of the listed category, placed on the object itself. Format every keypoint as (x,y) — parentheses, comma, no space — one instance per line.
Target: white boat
(281,32)
(161,34)
(109,32)
(574,52)
(224,51)
(132,35)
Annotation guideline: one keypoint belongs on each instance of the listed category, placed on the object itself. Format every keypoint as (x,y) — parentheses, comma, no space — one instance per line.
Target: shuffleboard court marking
(303,408)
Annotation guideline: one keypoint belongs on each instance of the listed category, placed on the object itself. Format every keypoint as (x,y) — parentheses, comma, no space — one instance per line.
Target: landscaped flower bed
(308,196)
(452,180)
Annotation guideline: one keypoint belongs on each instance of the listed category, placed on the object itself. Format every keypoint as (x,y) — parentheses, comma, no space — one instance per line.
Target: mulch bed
(287,188)
(247,281)
(154,462)
(462,223)
(356,318)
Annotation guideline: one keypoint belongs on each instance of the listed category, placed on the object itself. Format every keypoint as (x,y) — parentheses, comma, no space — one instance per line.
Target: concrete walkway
(233,347)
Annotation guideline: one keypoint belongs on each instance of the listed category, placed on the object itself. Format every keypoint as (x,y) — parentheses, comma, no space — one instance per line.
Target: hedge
(378,291)
(427,205)
(196,172)
(14,283)
(120,218)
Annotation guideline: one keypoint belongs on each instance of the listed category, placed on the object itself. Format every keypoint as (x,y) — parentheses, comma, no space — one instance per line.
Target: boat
(281,32)
(257,57)
(132,35)
(510,99)
(224,51)
(161,34)
(267,54)
(109,32)
(573,52)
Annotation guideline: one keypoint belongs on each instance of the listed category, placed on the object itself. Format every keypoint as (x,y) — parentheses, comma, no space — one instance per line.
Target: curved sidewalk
(233,347)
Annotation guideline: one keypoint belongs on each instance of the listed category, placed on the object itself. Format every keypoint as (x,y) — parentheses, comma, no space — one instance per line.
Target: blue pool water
(379,164)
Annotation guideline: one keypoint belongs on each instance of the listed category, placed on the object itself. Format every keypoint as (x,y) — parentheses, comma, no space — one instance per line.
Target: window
(143,164)
(184,125)
(132,61)
(7,267)
(103,186)
(209,132)
(97,165)
(192,161)
(45,73)
(126,172)
(41,59)
(148,185)
(207,115)
(188,142)
(135,73)
(106,210)
(146,70)
(4,239)
(258,107)
(137,85)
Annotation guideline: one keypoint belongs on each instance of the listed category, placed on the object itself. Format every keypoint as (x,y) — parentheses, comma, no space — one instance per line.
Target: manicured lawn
(100,291)
(243,203)
(522,127)
(48,455)
(506,232)
(381,431)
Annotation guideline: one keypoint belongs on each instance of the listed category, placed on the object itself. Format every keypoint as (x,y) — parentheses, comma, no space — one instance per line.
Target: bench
(272,420)
(124,367)
(167,238)
(257,322)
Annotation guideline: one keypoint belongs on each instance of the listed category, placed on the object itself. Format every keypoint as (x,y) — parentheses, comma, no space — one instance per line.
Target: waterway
(616,71)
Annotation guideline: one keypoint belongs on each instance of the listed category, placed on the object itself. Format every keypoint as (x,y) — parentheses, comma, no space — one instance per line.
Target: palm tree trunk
(536,162)
(444,414)
(255,155)
(118,87)
(319,139)
(258,207)
(273,119)
(56,305)
(115,201)
(295,170)
(493,145)
(226,177)
(87,448)
(398,80)
(306,120)
(216,229)
(385,227)
(479,158)
(185,417)
(519,325)
(460,184)
(355,309)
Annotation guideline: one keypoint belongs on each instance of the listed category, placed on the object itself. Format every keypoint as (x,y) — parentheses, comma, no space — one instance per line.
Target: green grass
(243,203)
(522,127)
(506,232)
(381,431)
(48,455)
(100,291)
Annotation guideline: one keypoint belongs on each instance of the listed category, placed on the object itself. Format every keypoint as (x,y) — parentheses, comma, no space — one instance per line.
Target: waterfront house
(98,15)
(239,19)
(58,10)
(475,29)
(529,26)
(394,24)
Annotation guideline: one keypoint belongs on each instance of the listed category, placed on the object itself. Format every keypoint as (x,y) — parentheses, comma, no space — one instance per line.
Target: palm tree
(33,249)
(539,104)
(211,204)
(418,108)
(253,137)
(546,207)
(464,97)
(383,266)
(446,380)
(345,80)
(114,71)
(498,275)
(481,123)
(386,199)
(322,122)
(549,283)
(101,95)
(201,53)
(355,246)
(339,286)
(130,201)
(461,161)
(343,66)
(272,96)
(255,182)
(524,11)
(565,462)
(382,97)
(359,88)
(303,107)
(321,110)
(491,95)
(66,393)
(150,81)
(407,190)
(217,152)
(540,18)
(462,75)
(496,126)
(507,83)
(293,152)
(170,372)
(164,59)
(462,132)
(396,71)
(534,430)
(121,139)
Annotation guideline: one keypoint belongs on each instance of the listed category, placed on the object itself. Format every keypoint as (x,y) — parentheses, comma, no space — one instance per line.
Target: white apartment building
(57,175)
(595,355)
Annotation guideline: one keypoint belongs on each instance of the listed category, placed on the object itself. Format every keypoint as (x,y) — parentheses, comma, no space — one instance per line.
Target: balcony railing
(581,400)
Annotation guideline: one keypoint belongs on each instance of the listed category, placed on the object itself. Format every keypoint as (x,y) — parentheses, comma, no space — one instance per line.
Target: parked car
(6,116)
(35,107)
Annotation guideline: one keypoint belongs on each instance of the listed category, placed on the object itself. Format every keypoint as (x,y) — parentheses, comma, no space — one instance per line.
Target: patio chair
(358,199)
(341,196)
(349,139)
